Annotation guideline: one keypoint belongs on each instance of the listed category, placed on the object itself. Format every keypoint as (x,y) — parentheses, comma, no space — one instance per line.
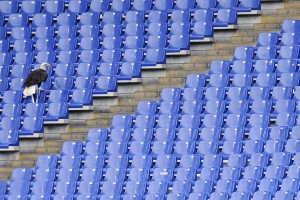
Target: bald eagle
(34,81)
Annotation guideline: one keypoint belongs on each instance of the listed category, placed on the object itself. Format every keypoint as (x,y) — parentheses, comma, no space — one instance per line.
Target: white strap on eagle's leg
(32,98)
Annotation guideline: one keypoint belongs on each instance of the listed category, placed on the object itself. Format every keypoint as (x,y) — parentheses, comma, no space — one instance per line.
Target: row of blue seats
(100,85)
(179,148)
(68,19)
(133,187)
(242,80)
(218,106)
(73,6)
(190,93)
(253,67)
(126,70)
(183,188)
(194,134)
(266,53)
(151,57)
(274,39)
(172,43)
(108,30)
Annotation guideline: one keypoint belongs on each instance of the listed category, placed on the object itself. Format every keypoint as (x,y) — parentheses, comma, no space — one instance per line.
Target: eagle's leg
(32,98)
(38,92)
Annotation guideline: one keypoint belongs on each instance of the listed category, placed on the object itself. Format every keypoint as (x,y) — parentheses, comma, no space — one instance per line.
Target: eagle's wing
(36,77)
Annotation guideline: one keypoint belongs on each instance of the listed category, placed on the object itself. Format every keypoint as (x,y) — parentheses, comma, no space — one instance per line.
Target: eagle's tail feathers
(29,91)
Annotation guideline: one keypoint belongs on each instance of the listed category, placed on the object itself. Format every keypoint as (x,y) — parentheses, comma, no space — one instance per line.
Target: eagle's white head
(44,65)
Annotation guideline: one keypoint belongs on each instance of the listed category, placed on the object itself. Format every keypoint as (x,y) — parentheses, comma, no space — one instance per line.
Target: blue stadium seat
(218,80)
(262,195)
(237,93)
(289,79)
(209,173)
(223,4)
(124,121)
(162,174)
(57,111)
(111,188)
(241,67)
(259,93)
(247,6)
(115,148)
(20,71)
(247,185)
(213,160)
(19,188)
(266,53)
(180,16)
(157,16)
(54,7)
(77,6)
(157,29)
(289,39)
(285,66)
(89,43)
(84,83)
(226,17)
(263,66)
(156,41)
(135,188)
(66,19)
(97,134)
(212,121)
(111,18)
(86,69)
(18,33)
(42,188)
(269,185)
(42,20)
(281,159)
(266,80)
(89,30)
(165,134)
(133,55)
(105,84)
(94,161)
(157,187)
(139,147)
(219,67)
(134,17)
(64,69)
(289,185)
(233,134)
(203,186)
(288,52)
(32,125)
(108,69)
(41,56)
(89,18)
(202,30)
(142,161)
(44,32)
(162,147)
(243,53)
(178,43)
(163,5)
(195,81)
(242,80)
(238,106)
(186,174)
(225,186)
(4,84)
(130,70)
(215,107)
(169,108)
(267,39)
(115,174)
(99,6)
(67,32)
(284,106)
(144,121)
(8,138)
(44,44)
(181,187)
(22,174)
(133,42)
(192,94)
(8,7)
(210,134)
(235,120)
(31,7)
(231,173)
(120,134)
(10,123)
(91,174)
(192,107)
(261,106)
(120,6)
(142,5)
(284,195)
(185,5)
(290,26)
(81,98)
(134,29)
(94,148)
(65,188)
(257,133)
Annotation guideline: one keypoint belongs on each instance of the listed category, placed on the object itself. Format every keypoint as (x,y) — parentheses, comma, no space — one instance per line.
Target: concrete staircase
(172,75)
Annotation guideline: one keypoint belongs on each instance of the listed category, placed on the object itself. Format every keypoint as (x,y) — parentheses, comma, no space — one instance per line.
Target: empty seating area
(230,134)
(91,45)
